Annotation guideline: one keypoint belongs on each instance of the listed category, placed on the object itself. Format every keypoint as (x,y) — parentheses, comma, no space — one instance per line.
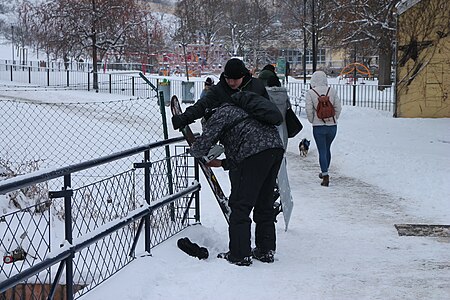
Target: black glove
(179,121)
(192,249)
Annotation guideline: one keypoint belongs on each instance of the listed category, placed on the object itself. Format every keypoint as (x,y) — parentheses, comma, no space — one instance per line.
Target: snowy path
(342,244)
(351,226)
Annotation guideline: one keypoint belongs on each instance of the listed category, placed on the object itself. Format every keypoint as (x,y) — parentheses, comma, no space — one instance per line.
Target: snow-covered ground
(341,242)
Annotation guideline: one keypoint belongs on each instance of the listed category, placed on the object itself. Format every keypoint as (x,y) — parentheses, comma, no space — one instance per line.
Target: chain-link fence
(48,132)
(54,131)
(76,213)
(61,131)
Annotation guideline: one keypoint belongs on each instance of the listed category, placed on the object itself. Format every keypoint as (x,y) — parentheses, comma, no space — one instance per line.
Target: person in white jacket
(324,130)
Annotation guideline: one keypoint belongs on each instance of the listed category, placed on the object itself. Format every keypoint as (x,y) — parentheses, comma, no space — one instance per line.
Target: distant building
(423,59)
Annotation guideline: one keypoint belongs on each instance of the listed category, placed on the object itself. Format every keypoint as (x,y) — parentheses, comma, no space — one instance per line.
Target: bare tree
(211,21)
(370,23)
(259,29)
(68,28)
(200,22)
(236,26)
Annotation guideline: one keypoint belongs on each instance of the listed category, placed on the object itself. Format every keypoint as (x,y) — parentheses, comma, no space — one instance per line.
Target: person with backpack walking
(323,108)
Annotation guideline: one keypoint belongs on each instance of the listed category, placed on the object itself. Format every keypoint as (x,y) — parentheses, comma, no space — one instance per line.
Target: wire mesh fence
(25,240)
(45,132)
(40,229)
(55,134)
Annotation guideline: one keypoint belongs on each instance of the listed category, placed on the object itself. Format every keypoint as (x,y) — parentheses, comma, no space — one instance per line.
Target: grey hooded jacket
(319,82)
(279,96)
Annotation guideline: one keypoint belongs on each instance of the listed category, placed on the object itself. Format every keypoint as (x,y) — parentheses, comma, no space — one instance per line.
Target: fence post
(48,76)
(69,238)
(11,71)
(354,94)
(166,136)
(147,239)
(132,85)
(110,83)
(197,194)
(29,74)
(67,193)
(89,80)
(68,78)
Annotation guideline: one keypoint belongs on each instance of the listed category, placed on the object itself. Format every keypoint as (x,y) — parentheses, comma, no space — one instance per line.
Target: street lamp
(12,42)
(314,38)
(304,42)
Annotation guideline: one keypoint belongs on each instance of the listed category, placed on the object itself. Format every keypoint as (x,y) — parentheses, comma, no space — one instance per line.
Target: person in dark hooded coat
(267,72)
(235,78)
(254,152)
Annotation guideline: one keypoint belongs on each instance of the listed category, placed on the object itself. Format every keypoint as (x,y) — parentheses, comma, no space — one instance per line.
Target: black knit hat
(209,81)
(235,69)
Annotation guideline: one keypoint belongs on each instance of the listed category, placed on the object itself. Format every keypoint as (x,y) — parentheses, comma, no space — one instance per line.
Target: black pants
(252,184)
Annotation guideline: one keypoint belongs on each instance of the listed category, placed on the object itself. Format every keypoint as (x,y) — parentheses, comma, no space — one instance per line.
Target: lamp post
(313,38)
(12,42)
(304,42)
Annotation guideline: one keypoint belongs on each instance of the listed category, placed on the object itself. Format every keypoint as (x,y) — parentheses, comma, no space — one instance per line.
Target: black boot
(245,261)
(192,249)
(325,180)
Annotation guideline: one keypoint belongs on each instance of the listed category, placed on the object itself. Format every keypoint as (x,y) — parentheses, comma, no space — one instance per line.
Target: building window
(320,56)
(292,56)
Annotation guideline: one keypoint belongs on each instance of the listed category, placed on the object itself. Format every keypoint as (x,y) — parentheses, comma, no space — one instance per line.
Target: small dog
(304,147)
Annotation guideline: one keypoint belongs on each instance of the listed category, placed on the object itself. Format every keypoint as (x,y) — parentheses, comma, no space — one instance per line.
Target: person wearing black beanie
(235,78)
(235,69)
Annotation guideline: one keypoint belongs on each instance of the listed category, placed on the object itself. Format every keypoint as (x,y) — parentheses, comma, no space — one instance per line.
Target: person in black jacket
(236,77)
(254,151)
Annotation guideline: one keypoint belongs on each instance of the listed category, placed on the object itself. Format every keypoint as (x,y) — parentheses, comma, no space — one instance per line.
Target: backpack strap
(317,92)
(334,120)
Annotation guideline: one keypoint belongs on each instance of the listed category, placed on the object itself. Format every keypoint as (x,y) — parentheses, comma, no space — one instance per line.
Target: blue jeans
(324,136)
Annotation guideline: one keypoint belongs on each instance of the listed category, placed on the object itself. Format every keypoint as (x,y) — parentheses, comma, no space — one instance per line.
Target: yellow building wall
(423,60)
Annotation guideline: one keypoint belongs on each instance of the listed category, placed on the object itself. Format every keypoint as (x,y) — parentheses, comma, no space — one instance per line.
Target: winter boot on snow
(245,261)
(192,249)
(267,256)
(325,180)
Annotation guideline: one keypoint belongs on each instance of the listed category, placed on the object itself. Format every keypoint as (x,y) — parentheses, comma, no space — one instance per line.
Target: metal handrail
(96,235)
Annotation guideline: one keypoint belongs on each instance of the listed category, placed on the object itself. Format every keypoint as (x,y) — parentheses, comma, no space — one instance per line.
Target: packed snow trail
(341,244)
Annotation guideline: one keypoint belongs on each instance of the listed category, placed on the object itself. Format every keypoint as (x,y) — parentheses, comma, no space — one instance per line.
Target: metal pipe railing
(16,183)
(96,235)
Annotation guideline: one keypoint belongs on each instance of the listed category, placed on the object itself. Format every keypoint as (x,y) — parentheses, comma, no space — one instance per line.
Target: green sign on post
(281,68)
